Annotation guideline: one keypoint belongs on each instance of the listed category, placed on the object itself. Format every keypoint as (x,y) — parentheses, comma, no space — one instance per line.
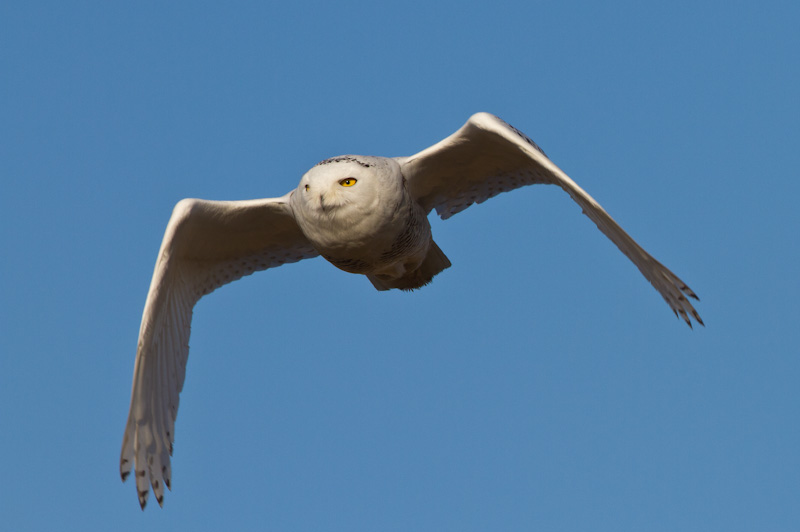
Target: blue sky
(538,384)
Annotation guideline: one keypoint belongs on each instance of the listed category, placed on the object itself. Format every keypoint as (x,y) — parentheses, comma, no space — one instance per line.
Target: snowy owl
(364,215)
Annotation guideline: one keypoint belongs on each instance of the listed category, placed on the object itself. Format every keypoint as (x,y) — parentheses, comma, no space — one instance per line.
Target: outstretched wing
(207,244)
(488,156)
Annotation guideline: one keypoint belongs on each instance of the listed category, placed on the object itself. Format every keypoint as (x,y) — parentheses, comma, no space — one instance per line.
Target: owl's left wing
(206,245)
(488,156)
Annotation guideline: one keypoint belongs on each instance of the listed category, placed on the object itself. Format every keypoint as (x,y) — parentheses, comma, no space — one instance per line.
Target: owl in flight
(366,215)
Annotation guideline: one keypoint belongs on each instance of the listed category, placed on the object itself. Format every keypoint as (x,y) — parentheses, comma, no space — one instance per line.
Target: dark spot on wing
(525,137)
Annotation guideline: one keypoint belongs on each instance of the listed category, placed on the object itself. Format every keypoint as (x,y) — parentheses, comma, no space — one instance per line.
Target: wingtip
(143,499)
(124,469)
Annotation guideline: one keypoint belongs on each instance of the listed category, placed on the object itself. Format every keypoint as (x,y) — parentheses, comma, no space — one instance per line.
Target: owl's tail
(435,261)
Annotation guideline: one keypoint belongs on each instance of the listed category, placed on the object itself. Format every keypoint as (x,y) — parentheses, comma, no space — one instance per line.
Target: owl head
(348,186)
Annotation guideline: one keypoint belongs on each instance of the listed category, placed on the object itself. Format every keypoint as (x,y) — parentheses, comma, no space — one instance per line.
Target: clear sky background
(538,384)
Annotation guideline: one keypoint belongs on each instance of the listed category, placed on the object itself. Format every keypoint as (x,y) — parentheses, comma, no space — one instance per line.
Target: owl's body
(358,214)
(365,215)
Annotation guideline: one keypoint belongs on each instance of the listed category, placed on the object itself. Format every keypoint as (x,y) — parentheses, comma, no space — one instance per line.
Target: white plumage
(365,215)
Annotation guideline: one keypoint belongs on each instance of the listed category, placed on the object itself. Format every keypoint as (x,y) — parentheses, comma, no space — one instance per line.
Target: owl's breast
(392,243)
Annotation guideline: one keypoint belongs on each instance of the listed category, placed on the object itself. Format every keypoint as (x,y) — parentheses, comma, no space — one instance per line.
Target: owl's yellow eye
(348,182)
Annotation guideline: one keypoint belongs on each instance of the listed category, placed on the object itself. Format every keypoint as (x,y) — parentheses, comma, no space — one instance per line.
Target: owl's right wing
(487,156)
(206,244)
